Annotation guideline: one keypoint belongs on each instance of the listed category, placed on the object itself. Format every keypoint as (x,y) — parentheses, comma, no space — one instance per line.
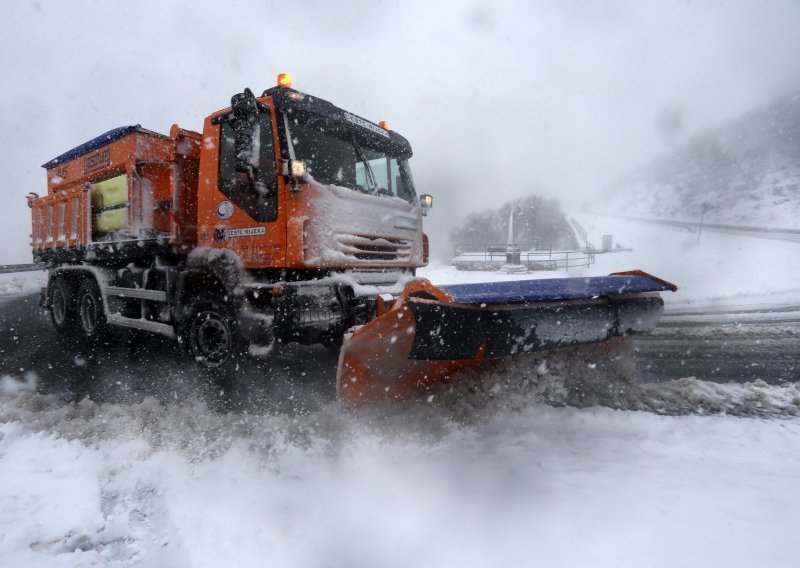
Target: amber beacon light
(285,80)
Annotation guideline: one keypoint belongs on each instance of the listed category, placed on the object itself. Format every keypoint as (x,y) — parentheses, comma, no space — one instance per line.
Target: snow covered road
(723,345)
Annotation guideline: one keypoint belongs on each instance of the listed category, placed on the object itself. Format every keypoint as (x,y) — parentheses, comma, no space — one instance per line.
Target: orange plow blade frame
(375,363)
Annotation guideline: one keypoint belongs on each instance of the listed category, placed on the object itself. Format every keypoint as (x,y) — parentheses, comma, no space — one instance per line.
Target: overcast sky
(498,99)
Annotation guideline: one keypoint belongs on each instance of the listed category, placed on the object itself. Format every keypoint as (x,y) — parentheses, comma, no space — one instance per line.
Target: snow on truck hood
(351,226)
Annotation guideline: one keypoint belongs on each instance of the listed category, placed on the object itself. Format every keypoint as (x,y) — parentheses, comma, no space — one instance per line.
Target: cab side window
(254,192)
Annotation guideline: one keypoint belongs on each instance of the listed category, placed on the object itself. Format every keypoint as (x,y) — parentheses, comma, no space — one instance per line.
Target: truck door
(242,211)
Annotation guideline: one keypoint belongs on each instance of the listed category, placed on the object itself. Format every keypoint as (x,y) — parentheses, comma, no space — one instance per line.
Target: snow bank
(22,283)
(603,375)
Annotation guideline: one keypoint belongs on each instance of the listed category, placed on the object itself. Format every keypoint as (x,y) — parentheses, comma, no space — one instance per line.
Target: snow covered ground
(148,485)
(721,269)
(506,471)
(21,283)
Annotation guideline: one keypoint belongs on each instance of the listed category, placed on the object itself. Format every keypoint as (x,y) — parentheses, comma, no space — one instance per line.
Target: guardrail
(774,233)
(555,260)
(11,268)
(493,257)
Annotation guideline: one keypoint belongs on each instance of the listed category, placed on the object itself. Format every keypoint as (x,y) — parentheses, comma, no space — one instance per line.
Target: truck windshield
(335,154)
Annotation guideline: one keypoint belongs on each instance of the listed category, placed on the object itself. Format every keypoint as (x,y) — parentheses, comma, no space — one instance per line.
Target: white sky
(498,99)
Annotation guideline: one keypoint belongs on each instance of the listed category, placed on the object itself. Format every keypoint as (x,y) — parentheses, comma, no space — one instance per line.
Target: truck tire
(91,313)
(63,311)
(209,330)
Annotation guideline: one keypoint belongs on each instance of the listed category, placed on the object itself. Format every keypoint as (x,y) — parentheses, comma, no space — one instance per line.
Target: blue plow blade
(553,289)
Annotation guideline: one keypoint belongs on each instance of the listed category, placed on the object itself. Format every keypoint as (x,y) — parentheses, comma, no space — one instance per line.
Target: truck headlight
(298,169)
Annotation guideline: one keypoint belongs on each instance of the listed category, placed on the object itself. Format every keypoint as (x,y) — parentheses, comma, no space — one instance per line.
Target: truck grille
(374,248)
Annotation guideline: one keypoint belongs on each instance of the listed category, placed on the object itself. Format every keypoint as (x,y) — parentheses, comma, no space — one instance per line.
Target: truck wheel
(91,314)
(63,312)
(210,329)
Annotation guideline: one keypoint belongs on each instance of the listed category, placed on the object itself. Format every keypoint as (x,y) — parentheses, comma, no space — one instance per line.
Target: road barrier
(494,257)
(778,234)
(11,268)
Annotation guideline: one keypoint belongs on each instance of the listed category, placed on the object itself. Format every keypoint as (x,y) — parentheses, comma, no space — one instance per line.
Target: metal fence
(557,260)
(11,268)
(493,257)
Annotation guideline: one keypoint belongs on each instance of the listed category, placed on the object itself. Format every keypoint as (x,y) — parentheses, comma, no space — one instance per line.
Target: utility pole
(700,228)
(513,255)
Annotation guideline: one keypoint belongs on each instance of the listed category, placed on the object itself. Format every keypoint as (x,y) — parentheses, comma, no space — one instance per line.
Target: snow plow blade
(430,332)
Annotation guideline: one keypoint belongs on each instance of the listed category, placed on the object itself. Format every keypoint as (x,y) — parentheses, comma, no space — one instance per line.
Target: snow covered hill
(745,172)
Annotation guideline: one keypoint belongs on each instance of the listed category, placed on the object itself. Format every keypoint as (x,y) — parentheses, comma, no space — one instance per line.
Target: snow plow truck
(288,219)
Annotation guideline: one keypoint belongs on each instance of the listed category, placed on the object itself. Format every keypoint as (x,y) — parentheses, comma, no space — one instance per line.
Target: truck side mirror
(246,131)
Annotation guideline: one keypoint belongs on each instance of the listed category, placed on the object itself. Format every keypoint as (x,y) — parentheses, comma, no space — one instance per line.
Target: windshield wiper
(373,184)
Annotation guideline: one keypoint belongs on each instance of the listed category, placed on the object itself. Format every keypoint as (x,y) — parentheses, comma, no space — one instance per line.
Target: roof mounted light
(384,124)
(285,80)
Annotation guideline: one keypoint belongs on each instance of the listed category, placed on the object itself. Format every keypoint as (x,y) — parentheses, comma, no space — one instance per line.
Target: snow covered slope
(746,172)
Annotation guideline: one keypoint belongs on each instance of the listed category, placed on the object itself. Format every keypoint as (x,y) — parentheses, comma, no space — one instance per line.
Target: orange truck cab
(283,221)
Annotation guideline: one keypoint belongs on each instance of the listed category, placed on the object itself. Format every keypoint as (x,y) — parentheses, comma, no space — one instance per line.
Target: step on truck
(288,219)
